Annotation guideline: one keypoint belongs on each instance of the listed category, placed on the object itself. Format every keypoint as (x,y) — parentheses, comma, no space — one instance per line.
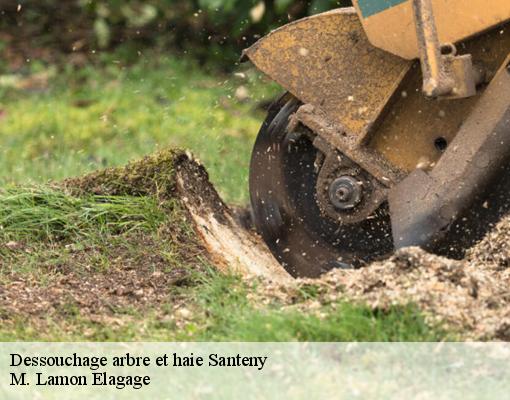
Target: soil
(74,279)
(471,296)
(133,281)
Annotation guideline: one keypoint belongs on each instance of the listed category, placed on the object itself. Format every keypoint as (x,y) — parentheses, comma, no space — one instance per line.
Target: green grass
(106,115)
(109,114)
(41,213)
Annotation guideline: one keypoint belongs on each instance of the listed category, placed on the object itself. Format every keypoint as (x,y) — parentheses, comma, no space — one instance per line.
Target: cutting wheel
(283,180)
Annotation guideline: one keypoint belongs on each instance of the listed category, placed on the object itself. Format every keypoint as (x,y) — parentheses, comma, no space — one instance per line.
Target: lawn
(81,119)
(120,266)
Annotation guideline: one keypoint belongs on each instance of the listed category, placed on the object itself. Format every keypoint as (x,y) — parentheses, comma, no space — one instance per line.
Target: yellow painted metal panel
(393,29)
(327,61)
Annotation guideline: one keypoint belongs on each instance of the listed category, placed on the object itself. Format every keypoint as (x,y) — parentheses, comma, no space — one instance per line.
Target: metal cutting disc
(283,180)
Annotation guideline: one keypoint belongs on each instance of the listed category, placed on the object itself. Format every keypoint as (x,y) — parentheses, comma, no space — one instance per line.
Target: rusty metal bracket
(430,209)
(444,72)
(313,59)
(347,143)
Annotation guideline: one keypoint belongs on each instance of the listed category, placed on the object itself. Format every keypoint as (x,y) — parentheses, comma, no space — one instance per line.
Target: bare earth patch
(138,278)
(133,279)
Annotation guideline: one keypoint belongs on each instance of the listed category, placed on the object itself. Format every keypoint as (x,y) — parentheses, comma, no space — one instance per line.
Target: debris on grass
(471,297)
(131,280)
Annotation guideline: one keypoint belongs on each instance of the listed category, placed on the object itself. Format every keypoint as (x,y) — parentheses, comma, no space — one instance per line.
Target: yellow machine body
(394,131)
(389,24)
(371,97)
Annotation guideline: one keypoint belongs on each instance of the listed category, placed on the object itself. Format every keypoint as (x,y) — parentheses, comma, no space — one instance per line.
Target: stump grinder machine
(394,131)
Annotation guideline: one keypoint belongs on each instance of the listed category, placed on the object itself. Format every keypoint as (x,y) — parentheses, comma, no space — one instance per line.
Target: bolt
(345,193)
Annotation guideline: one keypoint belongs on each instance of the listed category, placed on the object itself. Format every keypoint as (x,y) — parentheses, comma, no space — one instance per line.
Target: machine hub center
(345,193)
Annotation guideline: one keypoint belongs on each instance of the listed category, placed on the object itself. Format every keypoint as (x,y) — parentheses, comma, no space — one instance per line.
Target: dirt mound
(470,296)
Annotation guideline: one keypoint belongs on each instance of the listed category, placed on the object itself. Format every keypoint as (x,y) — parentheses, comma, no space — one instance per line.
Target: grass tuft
(42,213)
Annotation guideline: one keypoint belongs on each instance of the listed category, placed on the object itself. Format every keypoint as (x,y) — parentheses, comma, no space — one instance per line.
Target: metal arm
(443,74)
